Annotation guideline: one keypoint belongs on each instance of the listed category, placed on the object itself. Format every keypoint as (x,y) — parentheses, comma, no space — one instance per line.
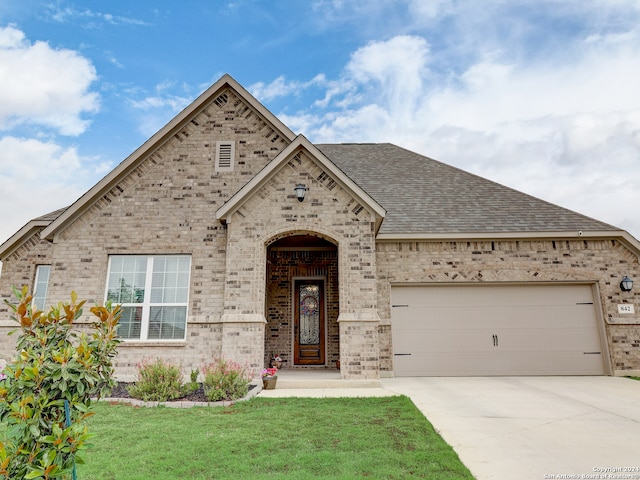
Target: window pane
(126,279)
(167,323)
(161,311)
(309,314)
(130,323)
(41,286)
(170,281)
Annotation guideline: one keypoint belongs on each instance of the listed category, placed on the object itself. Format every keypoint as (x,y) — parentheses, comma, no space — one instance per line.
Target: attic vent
(357,209)
(221,100)
(225,152)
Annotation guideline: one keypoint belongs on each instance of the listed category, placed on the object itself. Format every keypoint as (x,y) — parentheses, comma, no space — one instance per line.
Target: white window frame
(146,303)
(39,300)
(224,162)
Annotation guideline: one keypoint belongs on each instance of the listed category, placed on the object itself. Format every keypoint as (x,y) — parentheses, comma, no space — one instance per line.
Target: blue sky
(540,95)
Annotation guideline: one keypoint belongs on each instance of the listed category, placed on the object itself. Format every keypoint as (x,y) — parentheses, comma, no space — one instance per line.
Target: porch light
(626,284)
(300,191)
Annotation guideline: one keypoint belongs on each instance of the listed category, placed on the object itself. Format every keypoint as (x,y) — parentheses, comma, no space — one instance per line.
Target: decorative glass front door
(309,329)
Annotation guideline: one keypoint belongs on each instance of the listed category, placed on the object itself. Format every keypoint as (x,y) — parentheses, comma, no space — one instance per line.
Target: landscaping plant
(225,380)
(157,382)
(46,395)
(193,385)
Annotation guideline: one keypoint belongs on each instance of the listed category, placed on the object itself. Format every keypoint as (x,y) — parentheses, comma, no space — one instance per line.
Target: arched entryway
(302,302)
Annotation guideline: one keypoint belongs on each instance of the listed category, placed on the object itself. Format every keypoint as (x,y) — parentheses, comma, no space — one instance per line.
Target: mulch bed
(120,391)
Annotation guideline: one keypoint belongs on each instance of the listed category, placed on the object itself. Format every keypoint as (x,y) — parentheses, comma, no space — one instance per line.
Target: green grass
(269,438)
(634,378)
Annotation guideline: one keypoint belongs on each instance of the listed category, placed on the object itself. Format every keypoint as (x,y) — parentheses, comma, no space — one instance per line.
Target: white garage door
(495,330)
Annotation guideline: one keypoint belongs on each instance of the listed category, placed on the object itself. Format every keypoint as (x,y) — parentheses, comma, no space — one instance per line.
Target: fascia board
(159,138)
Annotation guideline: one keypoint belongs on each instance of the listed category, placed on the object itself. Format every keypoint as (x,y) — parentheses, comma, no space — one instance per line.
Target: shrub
(46,395)
(193,385)
(157,382)
(225,380)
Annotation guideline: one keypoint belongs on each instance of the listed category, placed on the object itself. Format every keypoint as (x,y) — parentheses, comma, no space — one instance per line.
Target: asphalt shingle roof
(423,196)
(51,216)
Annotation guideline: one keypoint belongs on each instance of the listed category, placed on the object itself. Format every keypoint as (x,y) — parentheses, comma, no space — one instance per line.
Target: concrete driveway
(534,427)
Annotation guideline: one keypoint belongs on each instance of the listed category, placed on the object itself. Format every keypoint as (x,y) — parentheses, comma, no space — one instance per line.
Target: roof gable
(300,143)
(215,94)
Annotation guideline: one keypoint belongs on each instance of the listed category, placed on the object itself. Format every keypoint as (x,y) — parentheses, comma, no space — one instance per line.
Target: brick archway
(300,255)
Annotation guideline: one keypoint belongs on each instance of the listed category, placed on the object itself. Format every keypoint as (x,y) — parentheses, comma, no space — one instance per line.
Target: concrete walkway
(323,383)
(514,427)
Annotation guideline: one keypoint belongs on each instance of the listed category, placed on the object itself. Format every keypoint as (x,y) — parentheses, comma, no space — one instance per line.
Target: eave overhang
(17,239)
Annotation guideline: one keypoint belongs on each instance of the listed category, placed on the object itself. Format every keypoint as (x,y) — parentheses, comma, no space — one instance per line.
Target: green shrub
(55,370)
(225,380)
(157,382)
(193,385)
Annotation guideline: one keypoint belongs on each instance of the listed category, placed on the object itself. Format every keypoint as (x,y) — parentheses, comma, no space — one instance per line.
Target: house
(227,234)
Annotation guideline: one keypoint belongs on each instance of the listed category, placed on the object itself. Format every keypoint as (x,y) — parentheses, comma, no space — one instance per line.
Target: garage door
(495,330)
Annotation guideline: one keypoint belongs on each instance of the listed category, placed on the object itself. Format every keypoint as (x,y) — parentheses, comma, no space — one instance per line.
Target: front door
(309,329)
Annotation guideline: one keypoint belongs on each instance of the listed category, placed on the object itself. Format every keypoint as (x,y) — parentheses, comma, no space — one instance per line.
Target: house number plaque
(626,308)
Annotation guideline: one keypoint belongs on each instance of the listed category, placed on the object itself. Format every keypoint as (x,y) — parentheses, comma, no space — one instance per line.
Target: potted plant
(269,378)
(276,361)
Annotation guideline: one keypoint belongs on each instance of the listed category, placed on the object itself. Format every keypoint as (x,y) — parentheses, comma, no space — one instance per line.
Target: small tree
(47,393)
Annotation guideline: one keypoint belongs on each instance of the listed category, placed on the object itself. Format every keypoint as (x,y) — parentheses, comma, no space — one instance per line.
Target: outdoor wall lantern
(300,191)
(626,284)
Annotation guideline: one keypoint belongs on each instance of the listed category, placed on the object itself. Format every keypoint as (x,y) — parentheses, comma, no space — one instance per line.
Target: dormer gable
(326,175)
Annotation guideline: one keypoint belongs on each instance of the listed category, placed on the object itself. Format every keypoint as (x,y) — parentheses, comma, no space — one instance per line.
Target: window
(41,285)
(153,291)
(225,152)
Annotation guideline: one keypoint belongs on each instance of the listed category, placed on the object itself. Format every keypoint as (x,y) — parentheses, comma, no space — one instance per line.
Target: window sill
(152,343)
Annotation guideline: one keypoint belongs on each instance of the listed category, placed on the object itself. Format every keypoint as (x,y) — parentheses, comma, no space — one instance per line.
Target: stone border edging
(184,404)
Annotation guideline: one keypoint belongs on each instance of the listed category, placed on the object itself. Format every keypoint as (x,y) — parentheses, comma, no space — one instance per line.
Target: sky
(540,95)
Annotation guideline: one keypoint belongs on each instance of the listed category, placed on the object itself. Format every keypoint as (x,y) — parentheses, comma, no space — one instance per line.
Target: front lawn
(269,438)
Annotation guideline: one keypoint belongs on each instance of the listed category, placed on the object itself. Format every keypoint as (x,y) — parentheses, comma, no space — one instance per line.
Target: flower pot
(269,383)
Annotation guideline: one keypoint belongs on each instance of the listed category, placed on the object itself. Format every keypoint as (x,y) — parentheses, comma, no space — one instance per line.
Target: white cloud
(37,175)
(43,86)
(280,87)
(154,111)
(431,9)
(89,18)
